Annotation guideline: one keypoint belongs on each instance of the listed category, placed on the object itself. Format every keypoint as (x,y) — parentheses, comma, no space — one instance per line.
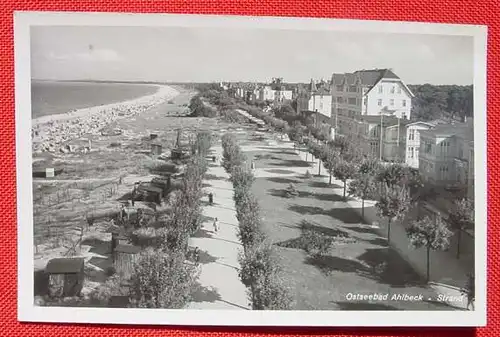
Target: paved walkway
(221,287)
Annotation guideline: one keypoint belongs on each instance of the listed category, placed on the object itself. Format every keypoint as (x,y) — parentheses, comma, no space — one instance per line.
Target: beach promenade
(220,284)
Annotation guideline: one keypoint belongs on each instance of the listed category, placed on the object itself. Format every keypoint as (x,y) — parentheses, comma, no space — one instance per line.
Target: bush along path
(260,271)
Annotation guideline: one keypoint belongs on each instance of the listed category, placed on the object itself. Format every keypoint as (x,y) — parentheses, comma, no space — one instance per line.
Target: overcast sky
(215,54)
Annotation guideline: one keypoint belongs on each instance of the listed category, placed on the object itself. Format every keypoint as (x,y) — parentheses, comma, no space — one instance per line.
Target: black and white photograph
(230,170)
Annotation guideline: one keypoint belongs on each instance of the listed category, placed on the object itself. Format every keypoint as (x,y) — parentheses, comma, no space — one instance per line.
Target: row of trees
(260,271)
(161,277)
(395,187)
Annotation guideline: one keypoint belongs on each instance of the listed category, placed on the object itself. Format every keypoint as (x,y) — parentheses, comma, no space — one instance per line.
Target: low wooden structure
(66,276)
(150,192)
(47,172)
(156,149)
(162,182)
(118,238)
(124,258)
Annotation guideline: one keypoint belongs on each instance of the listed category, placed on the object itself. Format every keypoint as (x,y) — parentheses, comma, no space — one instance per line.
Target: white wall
(321,103)
(400,94)
(412,151)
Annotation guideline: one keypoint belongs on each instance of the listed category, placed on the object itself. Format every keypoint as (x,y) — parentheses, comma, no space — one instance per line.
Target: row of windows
(393,89)
(413,152)
(391,102)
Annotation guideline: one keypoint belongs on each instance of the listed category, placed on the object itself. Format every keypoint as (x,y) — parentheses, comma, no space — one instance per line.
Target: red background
(485,12)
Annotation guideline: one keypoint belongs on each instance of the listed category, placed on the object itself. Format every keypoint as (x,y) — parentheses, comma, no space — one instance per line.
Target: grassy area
(357,262)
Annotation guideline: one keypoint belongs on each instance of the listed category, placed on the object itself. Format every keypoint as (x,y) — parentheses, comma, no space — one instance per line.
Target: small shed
(118,238)
(162,182)
(124,258)
(156,149)
(66,276)
(150,192)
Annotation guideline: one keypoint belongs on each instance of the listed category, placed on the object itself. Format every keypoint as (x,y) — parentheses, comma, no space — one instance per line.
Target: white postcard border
(27,311)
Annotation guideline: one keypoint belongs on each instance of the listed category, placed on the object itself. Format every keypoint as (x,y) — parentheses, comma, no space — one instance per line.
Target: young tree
(343,171)
(392,175)
(331,159)
(393,204)
(242,179)
(461,217)
(433,234)
(364,187)
(162,280)
(231,153)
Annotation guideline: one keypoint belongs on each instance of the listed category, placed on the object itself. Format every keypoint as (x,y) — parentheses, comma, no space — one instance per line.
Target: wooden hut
(66,276)
(118,238)
(156,149)
(149,192)
(162,182)
(124,258)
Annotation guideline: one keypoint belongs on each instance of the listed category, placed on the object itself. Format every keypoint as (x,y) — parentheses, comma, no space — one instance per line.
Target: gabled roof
(367,78)
(462,130)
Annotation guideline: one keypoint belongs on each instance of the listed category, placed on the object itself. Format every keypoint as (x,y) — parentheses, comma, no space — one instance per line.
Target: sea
(49,98)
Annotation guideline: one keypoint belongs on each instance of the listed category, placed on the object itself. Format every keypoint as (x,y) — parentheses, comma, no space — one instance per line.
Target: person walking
(211,198)
(216,225)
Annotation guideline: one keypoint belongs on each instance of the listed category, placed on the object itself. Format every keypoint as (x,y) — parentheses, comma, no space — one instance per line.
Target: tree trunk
(330,182)
(319,167)
(363,208)
(428,264)
(389,231)
(345,184)
(459,238)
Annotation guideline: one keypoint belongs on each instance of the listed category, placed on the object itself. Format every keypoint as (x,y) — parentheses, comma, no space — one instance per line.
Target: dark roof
(150,188)
(367,77)
(65,265)
(128,249)
(464,131)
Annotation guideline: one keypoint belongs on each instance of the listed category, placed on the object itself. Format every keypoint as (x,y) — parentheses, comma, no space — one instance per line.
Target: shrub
(315,243)
(162,280)
(261,274)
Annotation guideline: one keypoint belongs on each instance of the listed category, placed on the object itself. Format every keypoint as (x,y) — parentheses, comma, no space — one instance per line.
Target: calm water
(48,98)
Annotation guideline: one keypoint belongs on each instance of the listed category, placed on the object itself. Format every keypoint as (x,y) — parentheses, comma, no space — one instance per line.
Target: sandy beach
(49,132)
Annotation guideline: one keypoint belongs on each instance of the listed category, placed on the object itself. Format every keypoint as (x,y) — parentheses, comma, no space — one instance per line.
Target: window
(393,89)
(340,99)
(365,101)
(399,89)
(428,148)
(380,89)
(392,102)
(352,88)
(340,88)
(411,136)
(410,152)
(403,116)
(403,103)
(460,152)
(321,105)
(352,101)
(379,102)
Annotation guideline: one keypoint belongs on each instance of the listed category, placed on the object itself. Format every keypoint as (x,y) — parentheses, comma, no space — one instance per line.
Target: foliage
(248,215)
(296,132)
(430,233)
(392,175)
(462,215)
(200,109)
(315,243)
(438,101)
(330,160)
(363,186)
(203,143)
(291,190)
(162,280)
(394,202)
(343,171)
(242,179)
(112,287)
(231,153)
(261,273)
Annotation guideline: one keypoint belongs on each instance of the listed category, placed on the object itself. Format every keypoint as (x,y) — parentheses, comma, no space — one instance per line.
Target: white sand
(50,131)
